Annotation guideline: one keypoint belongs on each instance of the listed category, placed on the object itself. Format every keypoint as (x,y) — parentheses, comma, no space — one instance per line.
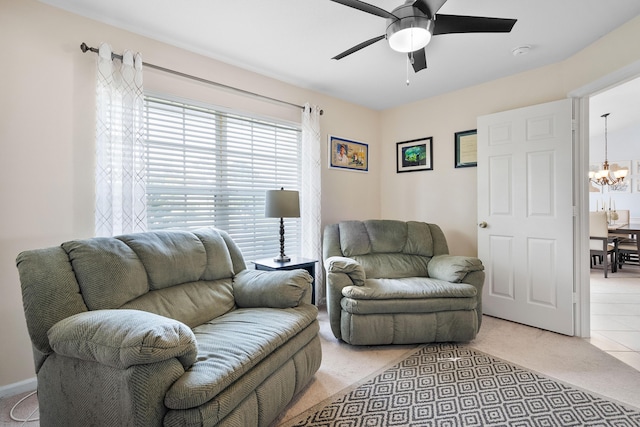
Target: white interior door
(525,215)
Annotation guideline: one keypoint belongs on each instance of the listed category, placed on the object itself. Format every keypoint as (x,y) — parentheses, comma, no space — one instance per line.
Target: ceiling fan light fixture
(409,34)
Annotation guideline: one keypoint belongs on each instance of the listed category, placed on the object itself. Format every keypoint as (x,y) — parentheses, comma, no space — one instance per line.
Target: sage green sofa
(165,328)
(394,282)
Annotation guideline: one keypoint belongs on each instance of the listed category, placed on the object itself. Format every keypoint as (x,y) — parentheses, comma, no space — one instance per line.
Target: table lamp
(282,204)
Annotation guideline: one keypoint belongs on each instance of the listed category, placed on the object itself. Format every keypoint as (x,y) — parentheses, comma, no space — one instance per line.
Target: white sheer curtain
(120,155)
(310,195)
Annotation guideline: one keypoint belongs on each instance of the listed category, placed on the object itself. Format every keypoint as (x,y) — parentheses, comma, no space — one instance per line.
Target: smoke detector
(520,50)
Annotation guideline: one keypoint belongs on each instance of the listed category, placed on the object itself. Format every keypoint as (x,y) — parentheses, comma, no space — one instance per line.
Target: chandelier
(604,176)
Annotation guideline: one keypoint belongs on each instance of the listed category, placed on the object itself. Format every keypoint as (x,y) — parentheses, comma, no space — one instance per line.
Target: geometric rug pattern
(447,385)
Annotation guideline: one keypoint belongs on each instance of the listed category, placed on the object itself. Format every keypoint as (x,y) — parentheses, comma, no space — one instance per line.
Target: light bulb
(409,39)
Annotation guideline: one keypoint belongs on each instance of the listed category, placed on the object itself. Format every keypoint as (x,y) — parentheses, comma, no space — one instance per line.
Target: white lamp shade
(409,40)
(282,204)
(620,173)
(409,34)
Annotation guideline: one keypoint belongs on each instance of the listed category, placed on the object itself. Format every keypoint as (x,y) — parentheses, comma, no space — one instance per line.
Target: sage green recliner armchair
(394,282)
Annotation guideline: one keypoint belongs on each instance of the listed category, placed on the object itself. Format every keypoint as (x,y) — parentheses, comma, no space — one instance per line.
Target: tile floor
(615,314)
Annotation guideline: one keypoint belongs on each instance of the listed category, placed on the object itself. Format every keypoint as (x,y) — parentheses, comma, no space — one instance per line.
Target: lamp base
(282,258)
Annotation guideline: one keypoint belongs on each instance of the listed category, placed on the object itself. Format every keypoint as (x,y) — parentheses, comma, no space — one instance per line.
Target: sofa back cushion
(125,278)
(191,303)
(114,271)
(169,257)
(390,248)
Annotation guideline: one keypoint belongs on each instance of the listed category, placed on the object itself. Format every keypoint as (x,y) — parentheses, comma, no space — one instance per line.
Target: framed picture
(466,148)
(415,155)
(348,155)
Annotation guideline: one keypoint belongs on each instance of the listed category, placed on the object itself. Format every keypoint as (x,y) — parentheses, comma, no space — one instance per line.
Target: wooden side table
(295,263)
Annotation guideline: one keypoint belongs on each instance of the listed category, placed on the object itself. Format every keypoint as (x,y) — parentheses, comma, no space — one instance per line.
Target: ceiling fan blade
(448,24)
(429,7)
(366,7)
(359,46)
(419,59)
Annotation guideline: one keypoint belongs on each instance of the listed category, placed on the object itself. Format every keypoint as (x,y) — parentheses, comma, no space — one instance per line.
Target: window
(211,168)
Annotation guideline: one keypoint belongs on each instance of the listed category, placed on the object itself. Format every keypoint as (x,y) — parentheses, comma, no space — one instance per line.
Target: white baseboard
(19,387)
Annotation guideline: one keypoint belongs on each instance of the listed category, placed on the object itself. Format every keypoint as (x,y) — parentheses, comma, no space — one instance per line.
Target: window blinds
(212,168)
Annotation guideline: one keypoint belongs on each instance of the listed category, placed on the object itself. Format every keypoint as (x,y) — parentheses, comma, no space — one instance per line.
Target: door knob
(483,224)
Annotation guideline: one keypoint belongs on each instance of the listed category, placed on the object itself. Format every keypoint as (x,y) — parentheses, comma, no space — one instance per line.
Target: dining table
(631,228)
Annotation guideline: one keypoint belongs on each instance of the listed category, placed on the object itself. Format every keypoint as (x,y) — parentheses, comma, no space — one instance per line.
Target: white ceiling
(294,40)
(622,102)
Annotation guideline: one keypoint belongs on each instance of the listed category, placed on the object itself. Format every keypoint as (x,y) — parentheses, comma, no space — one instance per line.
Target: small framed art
(347,154)
(415,155)
(466,148)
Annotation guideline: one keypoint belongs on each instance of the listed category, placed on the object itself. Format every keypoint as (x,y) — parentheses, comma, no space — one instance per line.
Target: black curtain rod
(84,48)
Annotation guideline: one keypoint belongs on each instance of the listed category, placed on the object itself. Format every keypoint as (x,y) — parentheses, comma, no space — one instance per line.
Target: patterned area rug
(451,385)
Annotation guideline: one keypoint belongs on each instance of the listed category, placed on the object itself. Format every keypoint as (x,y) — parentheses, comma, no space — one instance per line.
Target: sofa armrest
(123,338)
(274,289)
(341,272)
(460,269)
(453,268)
(348,266)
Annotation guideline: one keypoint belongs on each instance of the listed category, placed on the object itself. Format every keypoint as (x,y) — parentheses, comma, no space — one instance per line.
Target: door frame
(580,96)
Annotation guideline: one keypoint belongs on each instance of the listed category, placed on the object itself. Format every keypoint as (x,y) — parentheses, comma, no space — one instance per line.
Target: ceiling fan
(411,25)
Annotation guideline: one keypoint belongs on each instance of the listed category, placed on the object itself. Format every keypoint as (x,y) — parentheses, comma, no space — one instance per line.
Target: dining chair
(627,245)
(628,253)
(623,217)
(600,243)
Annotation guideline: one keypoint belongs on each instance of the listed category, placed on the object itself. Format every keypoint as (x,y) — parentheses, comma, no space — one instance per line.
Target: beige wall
(47,134)
(46,137)
(447,196)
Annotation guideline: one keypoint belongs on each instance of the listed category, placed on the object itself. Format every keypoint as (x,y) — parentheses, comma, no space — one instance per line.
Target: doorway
(615,301)
(581,97)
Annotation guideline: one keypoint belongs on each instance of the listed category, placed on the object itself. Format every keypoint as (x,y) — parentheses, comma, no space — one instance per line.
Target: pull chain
(410,57)
(408,60)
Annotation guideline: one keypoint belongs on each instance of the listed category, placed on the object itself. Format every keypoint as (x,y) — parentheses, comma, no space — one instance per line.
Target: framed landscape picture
(347,154)
(466,148)
(415,155)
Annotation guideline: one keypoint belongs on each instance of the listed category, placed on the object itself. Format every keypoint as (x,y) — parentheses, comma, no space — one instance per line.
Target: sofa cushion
(169,257)
(390,236)
(393,265)
(395,306)
(219,263)
(386,236)
(354,238)
(420,239)
(127,278)
(191,303)
(408,295)
(409,288)
(231,345)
